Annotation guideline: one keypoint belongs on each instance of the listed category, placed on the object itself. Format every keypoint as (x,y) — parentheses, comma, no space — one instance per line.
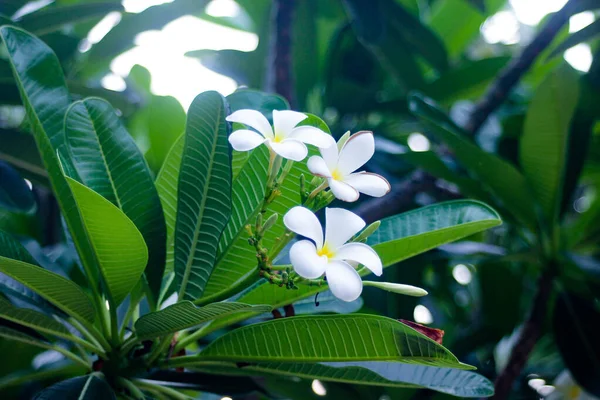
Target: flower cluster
(335,253)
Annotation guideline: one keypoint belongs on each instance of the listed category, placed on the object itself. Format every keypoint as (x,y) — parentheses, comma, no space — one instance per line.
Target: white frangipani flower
(332,256)
(284,138)
(339,166)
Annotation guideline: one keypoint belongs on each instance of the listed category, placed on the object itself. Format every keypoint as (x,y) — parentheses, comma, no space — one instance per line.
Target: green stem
(131,388)
(92,334)
(131,311)
(128,344)
(158,350)
(71,356)
(17,379)
(171,393)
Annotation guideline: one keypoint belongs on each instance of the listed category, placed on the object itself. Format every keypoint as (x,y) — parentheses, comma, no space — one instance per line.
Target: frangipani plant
(167,262)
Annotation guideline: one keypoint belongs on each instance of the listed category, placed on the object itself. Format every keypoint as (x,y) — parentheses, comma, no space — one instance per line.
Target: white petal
(356,152)
(317,166)
(343,280)
(306,261)
(340,226)
(361,253)
(330,155)
(343,191)
(245,139)
(253,119)
(290,149)
(368,183)
(312,135)
(286,120)
(304,222)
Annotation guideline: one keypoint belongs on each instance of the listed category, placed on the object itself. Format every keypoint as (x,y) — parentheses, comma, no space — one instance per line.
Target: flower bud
(270,222)
(407,290)
(368,231)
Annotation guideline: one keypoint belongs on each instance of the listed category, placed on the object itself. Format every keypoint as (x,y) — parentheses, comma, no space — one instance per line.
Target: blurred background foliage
(493,100)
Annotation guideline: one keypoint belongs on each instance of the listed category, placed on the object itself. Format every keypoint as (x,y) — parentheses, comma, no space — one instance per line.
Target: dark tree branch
(530,334)
(282,76)
(512,74)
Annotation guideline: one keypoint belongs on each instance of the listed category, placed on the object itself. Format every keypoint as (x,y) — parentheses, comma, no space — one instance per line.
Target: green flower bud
(368,231)
(270,222)
(407,290)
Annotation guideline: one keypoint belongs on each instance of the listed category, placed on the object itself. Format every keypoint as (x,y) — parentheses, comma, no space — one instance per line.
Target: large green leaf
(33,319)
(118,245)
(357,337)
(236,261)
(53,18)
(108,162)
(502,178)
(399,237)
(15,195)
(204,194)
(41,83)
(544,143)
(90,387)
(373,373)
(467,81)
(166,185)
(185,315)
(59,291)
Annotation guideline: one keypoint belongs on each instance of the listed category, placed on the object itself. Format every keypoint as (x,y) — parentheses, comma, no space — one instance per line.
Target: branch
(512,74)
(530,334)
(282,49)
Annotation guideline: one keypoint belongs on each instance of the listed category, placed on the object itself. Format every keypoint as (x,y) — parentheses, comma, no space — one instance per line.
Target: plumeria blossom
(332,256)
(285,138)
(339,166)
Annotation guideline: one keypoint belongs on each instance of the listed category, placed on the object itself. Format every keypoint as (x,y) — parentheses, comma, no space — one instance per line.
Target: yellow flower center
(278,139)
(337,175)
(325,251)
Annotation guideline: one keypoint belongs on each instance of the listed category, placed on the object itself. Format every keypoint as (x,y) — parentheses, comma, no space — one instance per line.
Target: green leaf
(575,323)
(19,150)
(247,189)
(33,319)
(357,337)
(500,177)
(590,32)
(90,387)
(408,234)
(40,80)
(15,195)
(386,44)
(444,16)
(398,238)
(59,291)
(262,102)
(544,143)
(108,162)
(204,194)
(11,248)
(468,81)
(53,18)
(9,7)
(434,165)
(118,245)
(455,382)
(236,262)
(185,315)
(166,185)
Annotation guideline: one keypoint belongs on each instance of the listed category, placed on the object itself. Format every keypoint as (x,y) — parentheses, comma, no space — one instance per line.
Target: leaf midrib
(105,163)
(188,266)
